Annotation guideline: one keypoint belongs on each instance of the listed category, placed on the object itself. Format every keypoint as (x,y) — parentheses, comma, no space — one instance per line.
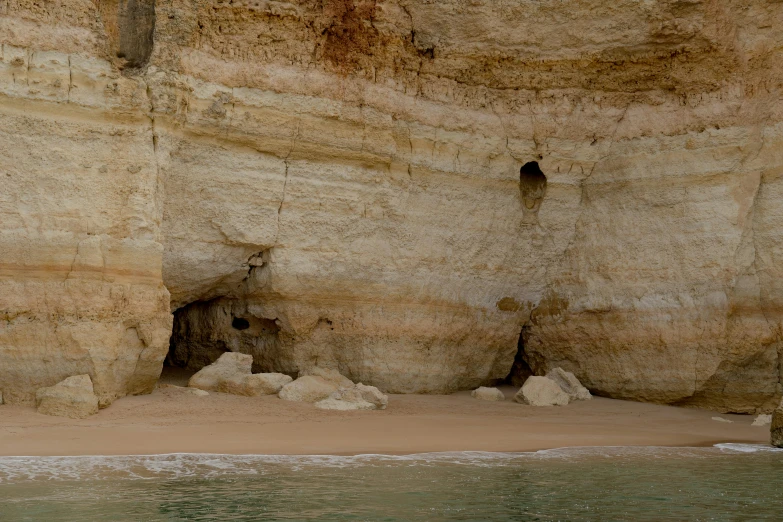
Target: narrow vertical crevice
(520,369)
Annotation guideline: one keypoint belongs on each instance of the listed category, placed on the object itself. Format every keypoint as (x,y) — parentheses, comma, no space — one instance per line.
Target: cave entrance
(520,369)
(205,330)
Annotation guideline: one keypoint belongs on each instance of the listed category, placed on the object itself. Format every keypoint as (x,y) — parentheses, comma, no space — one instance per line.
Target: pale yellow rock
(569,384)
(74,397)
(307,389)
(487,394)
(721,419)
(541,391)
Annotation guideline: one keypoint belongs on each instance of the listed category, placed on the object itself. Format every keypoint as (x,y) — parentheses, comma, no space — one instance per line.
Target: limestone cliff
(396,189)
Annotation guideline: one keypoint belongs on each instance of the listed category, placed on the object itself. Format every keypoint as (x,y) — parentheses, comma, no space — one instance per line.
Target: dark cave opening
(520,369)
(240,323)
(205,330)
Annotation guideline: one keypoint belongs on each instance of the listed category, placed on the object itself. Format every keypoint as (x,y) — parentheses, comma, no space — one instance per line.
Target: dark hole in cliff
(532,185)
(130,27)
(240,324)
(520,369)
(205,330)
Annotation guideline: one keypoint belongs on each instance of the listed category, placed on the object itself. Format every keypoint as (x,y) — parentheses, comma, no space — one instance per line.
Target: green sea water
(726,482)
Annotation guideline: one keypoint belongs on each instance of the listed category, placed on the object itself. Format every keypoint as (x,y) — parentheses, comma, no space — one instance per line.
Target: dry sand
(171,420)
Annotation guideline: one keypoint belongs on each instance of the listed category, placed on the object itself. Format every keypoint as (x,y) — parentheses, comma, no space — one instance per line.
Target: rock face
(541,391)
(569,384)
(74,397)
(487,394)
(776,429)
(399,190)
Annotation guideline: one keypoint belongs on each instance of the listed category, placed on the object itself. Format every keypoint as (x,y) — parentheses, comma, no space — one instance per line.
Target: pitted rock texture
(357,184)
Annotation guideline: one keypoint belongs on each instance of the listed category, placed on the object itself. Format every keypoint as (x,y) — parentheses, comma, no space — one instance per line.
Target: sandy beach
(171,420)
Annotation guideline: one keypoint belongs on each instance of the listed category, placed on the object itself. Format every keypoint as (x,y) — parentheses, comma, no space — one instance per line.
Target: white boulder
(373,395)
(487,394)
(74,398)
(307,389)
(331,376)
(345,399)
(228,365)
(762,420)
(255,384)
(569,384)
(541,391)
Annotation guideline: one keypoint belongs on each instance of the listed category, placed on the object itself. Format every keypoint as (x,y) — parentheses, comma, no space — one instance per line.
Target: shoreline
(173,421)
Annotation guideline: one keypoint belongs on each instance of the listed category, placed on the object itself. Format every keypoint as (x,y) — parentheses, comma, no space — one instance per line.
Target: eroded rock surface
(74,397)
(395,189)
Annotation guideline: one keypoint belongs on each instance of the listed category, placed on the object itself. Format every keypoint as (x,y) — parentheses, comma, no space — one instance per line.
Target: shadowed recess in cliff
(520,369)
(532,185)
(130,27)
(204,330)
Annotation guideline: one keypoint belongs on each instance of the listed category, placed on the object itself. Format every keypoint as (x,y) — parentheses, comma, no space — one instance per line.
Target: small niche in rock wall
(130,28)
(532,187)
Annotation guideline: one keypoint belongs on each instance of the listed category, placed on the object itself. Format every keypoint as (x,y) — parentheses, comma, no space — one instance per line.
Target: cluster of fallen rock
(556,388)
(327,389)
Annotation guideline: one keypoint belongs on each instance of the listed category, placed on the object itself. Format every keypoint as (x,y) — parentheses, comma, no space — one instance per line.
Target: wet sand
(171,420)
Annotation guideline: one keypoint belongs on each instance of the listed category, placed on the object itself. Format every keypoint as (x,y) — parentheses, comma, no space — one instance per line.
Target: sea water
(725,482)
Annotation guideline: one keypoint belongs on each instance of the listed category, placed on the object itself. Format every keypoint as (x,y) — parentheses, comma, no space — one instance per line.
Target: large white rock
(307,389)
(255,384)
(487,394)
(74,397)
(762,420)
(346,399)
(372,395)
(541,391)
(228,366)
(569,384)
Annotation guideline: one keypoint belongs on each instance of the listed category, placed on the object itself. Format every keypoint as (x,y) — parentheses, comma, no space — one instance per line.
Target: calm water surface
(727,482)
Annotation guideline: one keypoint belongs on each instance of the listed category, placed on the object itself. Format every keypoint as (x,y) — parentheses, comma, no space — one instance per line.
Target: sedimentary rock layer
(395,189)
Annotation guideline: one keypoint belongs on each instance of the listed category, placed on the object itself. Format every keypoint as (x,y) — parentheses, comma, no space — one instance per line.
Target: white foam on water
(747,448)
(212,465)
